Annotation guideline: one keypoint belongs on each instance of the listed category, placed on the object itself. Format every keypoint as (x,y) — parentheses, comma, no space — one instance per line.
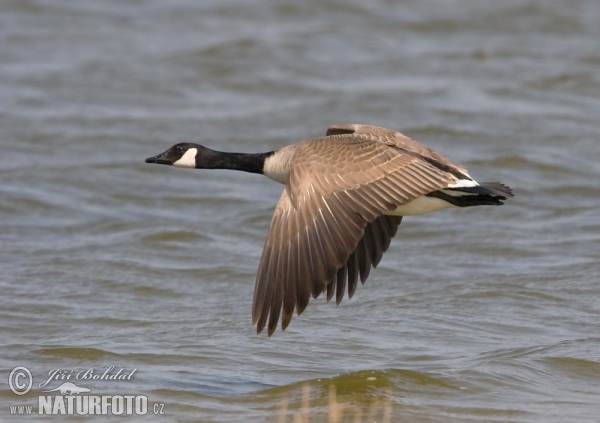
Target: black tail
(486,193)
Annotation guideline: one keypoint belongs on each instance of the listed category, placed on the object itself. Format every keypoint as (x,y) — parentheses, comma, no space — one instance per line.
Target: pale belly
(421,205)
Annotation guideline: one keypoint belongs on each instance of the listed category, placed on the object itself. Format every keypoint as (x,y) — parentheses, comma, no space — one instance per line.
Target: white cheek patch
(188,159)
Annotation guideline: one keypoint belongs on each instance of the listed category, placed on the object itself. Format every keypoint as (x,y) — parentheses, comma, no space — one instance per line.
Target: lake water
(482,314)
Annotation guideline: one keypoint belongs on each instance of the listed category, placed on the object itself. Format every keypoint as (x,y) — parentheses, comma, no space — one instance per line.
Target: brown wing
(336,189)
(399,140)
(375,241)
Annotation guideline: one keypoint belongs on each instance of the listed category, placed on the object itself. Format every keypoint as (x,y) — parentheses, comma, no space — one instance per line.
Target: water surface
(485,314)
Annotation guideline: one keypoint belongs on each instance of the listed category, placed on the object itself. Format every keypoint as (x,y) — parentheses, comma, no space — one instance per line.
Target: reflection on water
(380,409)
(484,314)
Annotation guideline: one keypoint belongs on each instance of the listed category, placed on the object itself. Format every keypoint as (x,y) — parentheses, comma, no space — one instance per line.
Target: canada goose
(345,195)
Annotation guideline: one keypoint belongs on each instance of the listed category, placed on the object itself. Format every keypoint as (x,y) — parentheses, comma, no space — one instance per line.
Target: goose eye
(179,149)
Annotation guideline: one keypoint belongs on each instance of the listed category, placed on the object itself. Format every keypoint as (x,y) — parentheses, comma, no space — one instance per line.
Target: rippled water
(486,314)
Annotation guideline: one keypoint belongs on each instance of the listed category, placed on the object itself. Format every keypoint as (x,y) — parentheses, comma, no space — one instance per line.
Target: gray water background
(484,314)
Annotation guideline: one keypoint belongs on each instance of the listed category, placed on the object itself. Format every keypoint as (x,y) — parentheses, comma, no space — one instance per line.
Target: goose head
(188,155)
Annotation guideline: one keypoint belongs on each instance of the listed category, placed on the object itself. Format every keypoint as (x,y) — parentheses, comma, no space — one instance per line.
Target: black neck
(253,163)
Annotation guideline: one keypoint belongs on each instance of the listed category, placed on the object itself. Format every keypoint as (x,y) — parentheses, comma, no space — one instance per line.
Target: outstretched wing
(401,141)
(336,188)
(375,241)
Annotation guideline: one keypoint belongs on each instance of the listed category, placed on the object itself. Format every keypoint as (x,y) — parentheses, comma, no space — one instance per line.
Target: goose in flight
(345,195)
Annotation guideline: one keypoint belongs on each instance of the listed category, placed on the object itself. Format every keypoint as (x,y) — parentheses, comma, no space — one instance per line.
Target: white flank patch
(188,159)
(463,183)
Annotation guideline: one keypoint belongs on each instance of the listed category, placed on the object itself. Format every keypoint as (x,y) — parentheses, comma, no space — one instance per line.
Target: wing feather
(330,225)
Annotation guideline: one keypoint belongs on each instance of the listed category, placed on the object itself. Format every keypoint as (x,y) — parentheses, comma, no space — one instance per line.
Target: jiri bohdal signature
(89,374)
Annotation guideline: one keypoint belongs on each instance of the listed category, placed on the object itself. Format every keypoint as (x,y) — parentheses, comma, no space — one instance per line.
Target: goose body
(344,198)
